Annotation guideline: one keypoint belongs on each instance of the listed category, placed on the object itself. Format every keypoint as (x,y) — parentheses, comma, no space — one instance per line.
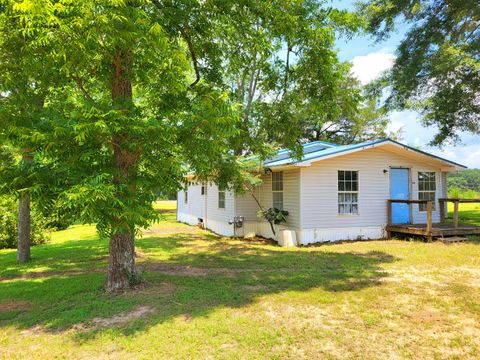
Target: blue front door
(400,190)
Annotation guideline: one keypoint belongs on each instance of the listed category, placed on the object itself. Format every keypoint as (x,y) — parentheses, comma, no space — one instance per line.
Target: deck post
(442,203)
(429,221)
(389,217)
(455,214)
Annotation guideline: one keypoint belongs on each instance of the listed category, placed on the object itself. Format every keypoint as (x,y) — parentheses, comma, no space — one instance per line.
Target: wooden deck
(437,230)
(431,230)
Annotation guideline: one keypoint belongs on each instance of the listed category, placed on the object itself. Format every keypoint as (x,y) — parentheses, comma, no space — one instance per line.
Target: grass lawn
(165,205)
(468,213)
(210,297)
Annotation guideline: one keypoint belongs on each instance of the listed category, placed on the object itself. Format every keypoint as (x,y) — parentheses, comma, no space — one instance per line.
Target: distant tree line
(464,183)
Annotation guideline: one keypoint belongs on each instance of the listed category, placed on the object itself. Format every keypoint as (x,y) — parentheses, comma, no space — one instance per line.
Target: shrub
(273,216)
(8,224)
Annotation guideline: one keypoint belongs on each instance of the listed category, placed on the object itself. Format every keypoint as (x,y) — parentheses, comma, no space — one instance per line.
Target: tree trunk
(121,263)
(23,241)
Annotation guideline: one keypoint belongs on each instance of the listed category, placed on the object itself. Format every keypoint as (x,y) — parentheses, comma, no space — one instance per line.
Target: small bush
(8,224)
(274,216)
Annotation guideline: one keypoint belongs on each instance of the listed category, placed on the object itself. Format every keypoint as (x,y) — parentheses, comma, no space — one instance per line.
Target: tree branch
(252,193)
(85,93)
(186,36)
(193,55)
(287,68)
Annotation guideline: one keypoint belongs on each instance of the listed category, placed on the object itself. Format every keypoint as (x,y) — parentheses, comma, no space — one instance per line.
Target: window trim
(224,200)
(434,201)
(349,192)
(278,191)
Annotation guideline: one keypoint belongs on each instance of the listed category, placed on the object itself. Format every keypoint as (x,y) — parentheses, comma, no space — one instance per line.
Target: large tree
(296,89)
(24,85)
(437,68)
(354,115)
(147,96)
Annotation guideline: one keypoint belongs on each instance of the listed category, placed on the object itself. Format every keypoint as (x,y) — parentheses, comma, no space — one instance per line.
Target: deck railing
(429,203)
(429,224)
(456,202)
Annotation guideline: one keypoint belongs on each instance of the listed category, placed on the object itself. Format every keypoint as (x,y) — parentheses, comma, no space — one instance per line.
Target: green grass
(469,213)
(165,205)
(210,297)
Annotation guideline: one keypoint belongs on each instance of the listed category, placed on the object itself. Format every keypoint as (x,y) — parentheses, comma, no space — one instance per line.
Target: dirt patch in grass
(140,254)
(176,229)
(166,211)
(39,275)
(180,270)
(123,318)
(35,330)
(185,270)
(12,305)
(145,287)
(256,287)
(140,311)
(429,316)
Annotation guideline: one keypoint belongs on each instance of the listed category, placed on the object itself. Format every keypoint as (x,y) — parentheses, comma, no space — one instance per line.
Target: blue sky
(369,59)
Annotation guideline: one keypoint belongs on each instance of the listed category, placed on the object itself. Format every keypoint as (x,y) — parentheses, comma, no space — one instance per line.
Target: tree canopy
(138,93)
(437,69)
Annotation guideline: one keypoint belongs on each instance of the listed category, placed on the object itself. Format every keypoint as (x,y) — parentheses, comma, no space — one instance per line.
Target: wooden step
(453,239)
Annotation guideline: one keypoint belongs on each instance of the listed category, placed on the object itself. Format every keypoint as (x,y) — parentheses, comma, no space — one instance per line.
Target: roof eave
(450,165)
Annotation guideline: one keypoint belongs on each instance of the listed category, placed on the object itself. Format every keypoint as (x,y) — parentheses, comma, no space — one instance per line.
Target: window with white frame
(427,187)
(277,190)
(221,199)
(185,198)
(347,192)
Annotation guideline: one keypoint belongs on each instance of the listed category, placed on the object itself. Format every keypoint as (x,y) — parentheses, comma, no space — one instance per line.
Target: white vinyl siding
(194,204)
(427,188)
(319,196)
(246,206)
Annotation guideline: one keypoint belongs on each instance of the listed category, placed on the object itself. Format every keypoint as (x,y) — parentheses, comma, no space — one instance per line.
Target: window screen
(221,199)
(277,190)
(347,192)
(427,188)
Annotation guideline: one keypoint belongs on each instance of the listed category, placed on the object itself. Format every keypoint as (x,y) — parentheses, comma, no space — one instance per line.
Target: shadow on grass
(70,255)
(217,274)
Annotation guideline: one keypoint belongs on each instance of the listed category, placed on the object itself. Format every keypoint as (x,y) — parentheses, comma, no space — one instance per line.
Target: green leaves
(437,69)
(136,94)
(274,215)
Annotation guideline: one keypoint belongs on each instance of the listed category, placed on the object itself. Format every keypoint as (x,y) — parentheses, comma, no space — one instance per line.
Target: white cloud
(468,155)
(367,68)
(395,126)
(408,124)
(414,134)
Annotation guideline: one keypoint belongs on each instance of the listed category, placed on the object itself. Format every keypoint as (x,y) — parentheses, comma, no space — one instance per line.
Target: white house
(334,193)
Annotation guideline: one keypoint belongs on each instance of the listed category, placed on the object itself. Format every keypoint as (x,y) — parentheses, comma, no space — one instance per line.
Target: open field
(165,205)
(210,297)
(468,213)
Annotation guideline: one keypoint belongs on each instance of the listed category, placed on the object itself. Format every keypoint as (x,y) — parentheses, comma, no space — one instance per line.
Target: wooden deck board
(438,230)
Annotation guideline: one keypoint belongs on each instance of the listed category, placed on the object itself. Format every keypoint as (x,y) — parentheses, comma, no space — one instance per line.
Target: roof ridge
(337,149)
(319,142)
